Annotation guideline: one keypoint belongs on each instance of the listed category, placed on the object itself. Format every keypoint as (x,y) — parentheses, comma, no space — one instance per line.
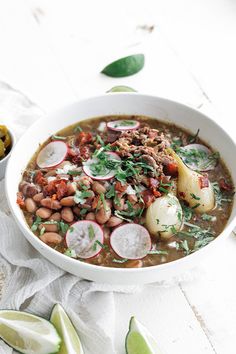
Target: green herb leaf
(120,260)
(125,66)
(70,253)
(80,196)
(91,232)
(57,137)
(158,252)
(77,129)
(194,196)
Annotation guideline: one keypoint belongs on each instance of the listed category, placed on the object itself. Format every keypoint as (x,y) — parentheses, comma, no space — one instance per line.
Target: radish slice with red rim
(198,157)
(124,124)
(96,169)
(85,238)
(131,241)
(52,154)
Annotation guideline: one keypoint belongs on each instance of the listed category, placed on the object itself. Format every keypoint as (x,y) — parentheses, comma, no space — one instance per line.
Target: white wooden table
(53,51)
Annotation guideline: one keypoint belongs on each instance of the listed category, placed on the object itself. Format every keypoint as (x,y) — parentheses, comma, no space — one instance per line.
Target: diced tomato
(171,169)
(20,200)
(39,179)
(95,202)
(224,185)
(203,181)
(120,187)
(182,194)
(83,138)
(148,197)
(156,193)
(61,190)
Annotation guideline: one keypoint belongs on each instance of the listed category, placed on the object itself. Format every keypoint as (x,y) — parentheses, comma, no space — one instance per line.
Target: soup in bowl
(124,197)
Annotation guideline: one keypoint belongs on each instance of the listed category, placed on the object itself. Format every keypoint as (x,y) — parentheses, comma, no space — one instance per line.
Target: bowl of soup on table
(124,188)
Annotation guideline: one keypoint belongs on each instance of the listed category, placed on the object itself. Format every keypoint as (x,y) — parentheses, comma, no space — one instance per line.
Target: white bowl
(113,104)
(4,161)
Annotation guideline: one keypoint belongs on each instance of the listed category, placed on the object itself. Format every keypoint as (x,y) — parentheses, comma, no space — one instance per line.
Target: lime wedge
(139,340)
(125,66)
(70,339)
(121,89)
(27,333)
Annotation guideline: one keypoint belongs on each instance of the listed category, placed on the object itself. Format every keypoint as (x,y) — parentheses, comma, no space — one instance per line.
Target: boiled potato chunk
(164,216)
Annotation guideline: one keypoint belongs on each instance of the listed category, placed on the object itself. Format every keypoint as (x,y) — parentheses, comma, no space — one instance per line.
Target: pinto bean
(67,214)
(51,203)
(38,197)
(103,215)
(44,213)
(90,216)
(29,189)
(98,187)
(136,263)
(114,221)
(85,180)
(30,205)
(49,227)
(51,237)
(121,204)
(67,201)
(76,211)
(71,188)
(132,198)
(56,216)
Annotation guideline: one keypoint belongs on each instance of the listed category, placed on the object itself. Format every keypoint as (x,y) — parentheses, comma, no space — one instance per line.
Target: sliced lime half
(27,333)
(139,340)
(70,340)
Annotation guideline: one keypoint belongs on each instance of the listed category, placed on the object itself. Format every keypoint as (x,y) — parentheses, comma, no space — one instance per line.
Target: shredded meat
(147,145)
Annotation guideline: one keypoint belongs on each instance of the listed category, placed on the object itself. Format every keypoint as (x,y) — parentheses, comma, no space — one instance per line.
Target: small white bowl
(4,161)
(115,104)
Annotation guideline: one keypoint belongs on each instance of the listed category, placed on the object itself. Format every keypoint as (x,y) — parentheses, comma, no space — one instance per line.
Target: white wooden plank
(25,61)
(85,42)
(166,313)
(212,298)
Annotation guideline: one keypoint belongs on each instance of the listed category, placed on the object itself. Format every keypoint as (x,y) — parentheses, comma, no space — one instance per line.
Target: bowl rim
(92,267)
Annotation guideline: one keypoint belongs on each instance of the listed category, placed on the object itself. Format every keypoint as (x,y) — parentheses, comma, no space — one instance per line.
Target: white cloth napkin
(32,283)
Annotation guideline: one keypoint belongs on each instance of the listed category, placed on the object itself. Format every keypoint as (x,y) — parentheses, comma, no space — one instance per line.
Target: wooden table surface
(53,51)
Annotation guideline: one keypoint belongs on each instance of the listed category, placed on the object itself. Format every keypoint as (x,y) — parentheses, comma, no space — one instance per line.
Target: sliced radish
(131,241)
(85,238)
(124,124)
(52,154)
(107,173)
(198,157)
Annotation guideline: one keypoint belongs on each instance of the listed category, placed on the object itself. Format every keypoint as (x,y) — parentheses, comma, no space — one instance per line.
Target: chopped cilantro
(194,196)
(91,232)
(158,252)
(70,253)
(120,260)
(77,129)
(57,137)
(80,196)
(196,206)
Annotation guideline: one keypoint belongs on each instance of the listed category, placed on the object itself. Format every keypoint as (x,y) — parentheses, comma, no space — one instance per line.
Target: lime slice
(121,89)
(139,340)
(125,66)
(70,340)
(27,333)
